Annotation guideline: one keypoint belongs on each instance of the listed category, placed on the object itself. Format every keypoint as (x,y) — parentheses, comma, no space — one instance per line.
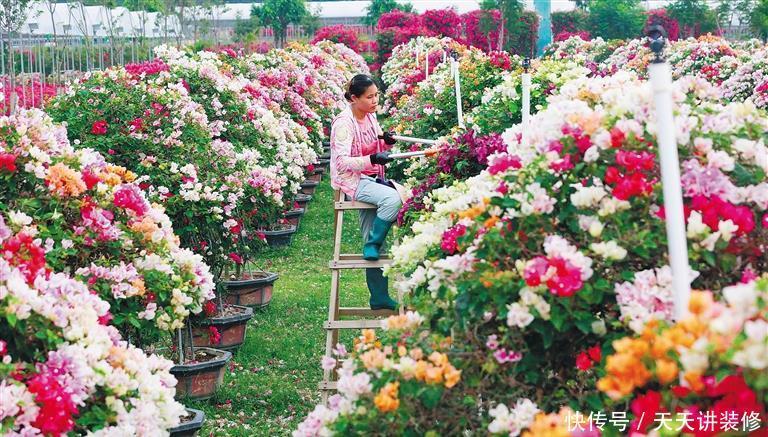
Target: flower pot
(255,292)
(280,237)
(302,200)
(231,322)
(326,144)
(191,426)
(316,175)
(326,156)
(309,187)
(324,163)
(201,378)
(294,216)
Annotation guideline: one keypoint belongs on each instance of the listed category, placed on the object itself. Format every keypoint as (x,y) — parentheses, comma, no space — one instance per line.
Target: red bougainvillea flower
(21,251)
(449,243)
(503,163)
(214,336)
(90,179)
(644,408)
(99,127)
(595,354)
(583,362)
(129,196)
(8,162)
(210,308)
(57,409)
(3,348)
(566,280)
(236,258)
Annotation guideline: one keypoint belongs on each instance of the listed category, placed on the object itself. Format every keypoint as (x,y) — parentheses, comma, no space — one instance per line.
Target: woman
(358,155)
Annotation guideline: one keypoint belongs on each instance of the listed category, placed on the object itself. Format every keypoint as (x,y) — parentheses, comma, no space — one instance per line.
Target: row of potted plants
(115,209)
(540,275)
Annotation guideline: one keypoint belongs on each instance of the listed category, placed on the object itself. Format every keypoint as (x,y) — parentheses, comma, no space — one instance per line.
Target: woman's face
(368,101)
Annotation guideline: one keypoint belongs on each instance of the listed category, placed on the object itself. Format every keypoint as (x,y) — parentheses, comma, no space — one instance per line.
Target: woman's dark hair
(357,86)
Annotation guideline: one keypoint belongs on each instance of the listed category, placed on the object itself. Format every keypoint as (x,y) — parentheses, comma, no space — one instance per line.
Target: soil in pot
(253,290)
(200,377)
(190,424)
(224,330)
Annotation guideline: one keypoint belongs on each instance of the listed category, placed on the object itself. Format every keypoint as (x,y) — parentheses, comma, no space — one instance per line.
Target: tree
(279,14)
(758,20)
(311,21)
(582,5)
(511,13)
(246,29)
(695,17)
(378,7)
(616,19)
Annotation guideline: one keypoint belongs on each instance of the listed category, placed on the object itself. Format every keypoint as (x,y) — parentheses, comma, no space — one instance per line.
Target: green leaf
(11,318)
(558,317)
(431,396)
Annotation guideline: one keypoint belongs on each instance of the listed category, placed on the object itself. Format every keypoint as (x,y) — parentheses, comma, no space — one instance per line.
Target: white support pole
(408,154)
(457,85)
(660,76)
(426,61)
(526,100)
(414,140)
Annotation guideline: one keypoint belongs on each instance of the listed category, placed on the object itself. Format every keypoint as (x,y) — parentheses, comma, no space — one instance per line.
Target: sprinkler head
(657,36)
(526,64)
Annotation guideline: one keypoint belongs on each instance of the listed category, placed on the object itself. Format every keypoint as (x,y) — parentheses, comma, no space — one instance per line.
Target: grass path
(272,382)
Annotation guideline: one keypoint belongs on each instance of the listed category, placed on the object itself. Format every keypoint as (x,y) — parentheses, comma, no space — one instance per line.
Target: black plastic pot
(303,200)
(309,187)
(190,428)
(281,237)
(294,216)
(201,380)
(254,293)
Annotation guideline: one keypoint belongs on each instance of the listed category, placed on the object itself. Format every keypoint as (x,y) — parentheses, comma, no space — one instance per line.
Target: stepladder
(338,316)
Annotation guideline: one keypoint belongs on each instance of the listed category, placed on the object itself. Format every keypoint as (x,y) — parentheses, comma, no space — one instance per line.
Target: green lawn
(272,382)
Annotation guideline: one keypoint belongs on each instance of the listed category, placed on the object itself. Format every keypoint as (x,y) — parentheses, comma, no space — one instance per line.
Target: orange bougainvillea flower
(666,371)
(491,222)
(373,359)
(64,181)
(369,336)
(386,400)
(452,376)
(700,302)
(433,375)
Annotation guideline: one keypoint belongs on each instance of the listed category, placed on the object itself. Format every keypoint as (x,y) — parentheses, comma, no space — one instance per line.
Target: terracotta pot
(252,292)
(294,216)
(303,200)
(309,187)
(200,380)
(280,237)
(191,426)
(231,327)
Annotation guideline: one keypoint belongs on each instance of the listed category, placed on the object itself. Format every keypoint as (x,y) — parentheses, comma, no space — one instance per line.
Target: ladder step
(351,204)
(365,312)
(359,263)
(327,385)
(353,324)
(358,257)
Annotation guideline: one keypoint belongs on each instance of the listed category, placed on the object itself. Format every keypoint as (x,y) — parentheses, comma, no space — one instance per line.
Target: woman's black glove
(387,137)
(380,158)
